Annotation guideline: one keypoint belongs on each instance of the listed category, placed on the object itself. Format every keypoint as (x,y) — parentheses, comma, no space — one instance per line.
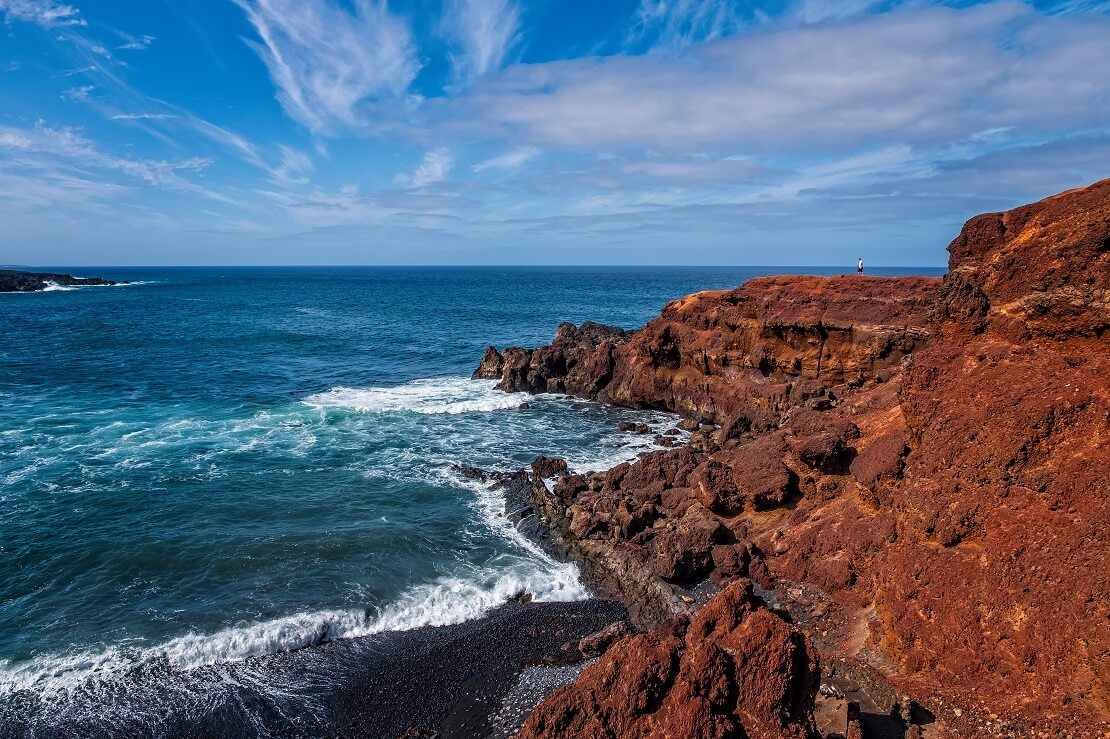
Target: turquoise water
(213,464)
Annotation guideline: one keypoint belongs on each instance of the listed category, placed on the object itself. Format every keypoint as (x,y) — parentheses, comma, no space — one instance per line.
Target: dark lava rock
(13,281)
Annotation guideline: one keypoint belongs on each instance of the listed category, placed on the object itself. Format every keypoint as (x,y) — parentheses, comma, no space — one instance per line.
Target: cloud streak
(434,168)
(482,34)
(329,65)
(46,13)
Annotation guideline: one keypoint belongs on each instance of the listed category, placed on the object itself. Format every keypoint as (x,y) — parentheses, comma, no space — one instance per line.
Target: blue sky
(536,131)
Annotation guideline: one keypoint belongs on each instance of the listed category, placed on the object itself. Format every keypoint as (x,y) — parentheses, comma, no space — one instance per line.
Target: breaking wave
(451,395)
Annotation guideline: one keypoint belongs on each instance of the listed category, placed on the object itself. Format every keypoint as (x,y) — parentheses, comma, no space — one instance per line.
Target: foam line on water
(451,395)
(445,601)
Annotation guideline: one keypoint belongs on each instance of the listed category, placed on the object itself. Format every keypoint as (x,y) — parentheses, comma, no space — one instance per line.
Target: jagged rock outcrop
(13,281)
(737,669)
(578,362)
(914,469)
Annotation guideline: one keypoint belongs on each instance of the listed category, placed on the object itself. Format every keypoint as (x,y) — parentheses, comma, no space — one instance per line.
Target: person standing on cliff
(859,267)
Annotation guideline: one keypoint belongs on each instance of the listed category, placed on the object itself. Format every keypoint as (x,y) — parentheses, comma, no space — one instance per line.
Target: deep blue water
(218,463)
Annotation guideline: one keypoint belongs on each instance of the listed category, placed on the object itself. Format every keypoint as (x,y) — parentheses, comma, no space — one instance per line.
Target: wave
(446,601)
(451,395)
(54,286)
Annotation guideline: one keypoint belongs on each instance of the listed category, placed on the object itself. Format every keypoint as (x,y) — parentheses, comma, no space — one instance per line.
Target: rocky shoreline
(889,518)
(14,281)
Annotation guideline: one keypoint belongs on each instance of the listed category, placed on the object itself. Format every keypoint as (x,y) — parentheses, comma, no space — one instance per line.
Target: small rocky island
(14,281)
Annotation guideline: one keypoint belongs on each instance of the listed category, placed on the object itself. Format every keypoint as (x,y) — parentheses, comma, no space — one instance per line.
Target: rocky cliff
(910,471)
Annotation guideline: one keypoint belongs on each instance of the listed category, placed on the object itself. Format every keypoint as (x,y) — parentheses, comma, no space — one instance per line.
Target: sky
(715,132)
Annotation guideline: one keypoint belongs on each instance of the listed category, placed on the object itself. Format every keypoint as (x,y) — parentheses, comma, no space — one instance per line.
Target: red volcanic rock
(917,468)
(716,489)
(738,354)
(548,466)
(881,458)
(683,551)
(738,669)
(1009,412)
(760,473)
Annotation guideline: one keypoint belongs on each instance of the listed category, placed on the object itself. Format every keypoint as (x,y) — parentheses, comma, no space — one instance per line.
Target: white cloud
(482,34)
(46,13)
(922,76)
(434,168)
(142,116)
(329,64)
(677,23)
(509,160)
(294,168)
(78,93)
(47,149)
(137,43)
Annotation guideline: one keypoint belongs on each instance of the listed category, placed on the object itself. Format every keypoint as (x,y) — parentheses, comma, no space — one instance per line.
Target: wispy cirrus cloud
(46,13)
(80,92)
(482,34)
(678,23)
(434,168)
(509,160)
(294,168)
(136,43)
(329,64)
(47,150)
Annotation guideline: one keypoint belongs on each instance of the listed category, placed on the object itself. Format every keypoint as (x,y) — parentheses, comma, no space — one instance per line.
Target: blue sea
(208,465)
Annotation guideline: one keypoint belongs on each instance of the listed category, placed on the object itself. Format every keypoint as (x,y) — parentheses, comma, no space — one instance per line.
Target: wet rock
(25,282)
(548,466)
(491,366)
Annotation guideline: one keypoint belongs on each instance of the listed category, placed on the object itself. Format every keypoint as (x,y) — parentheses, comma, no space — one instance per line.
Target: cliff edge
(909,471)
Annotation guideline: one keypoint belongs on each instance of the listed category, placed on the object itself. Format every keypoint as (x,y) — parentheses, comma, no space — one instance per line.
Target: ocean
(211,465)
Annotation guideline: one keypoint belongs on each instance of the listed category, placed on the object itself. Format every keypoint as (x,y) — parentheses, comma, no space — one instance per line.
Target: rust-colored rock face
(738,669)
(915,469)
(719,354)
(1009,413)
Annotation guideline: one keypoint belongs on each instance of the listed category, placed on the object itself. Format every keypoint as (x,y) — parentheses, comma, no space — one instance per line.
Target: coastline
(850,486)
(448,679)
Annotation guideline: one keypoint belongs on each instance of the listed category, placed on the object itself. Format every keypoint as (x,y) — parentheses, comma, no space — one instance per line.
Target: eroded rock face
(1004,483)
(916,469)
(578,362)
(754,352)
(738,669)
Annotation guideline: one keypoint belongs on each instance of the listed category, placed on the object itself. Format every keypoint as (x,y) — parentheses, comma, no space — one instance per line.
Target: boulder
(548,466)
(738,669)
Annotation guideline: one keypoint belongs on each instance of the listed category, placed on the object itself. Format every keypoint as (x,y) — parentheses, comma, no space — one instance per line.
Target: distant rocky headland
(14,281)
(891,516)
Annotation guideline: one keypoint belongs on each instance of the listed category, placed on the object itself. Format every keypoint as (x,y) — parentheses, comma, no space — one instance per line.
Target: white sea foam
(451,395)
(52,286)
(448,600)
